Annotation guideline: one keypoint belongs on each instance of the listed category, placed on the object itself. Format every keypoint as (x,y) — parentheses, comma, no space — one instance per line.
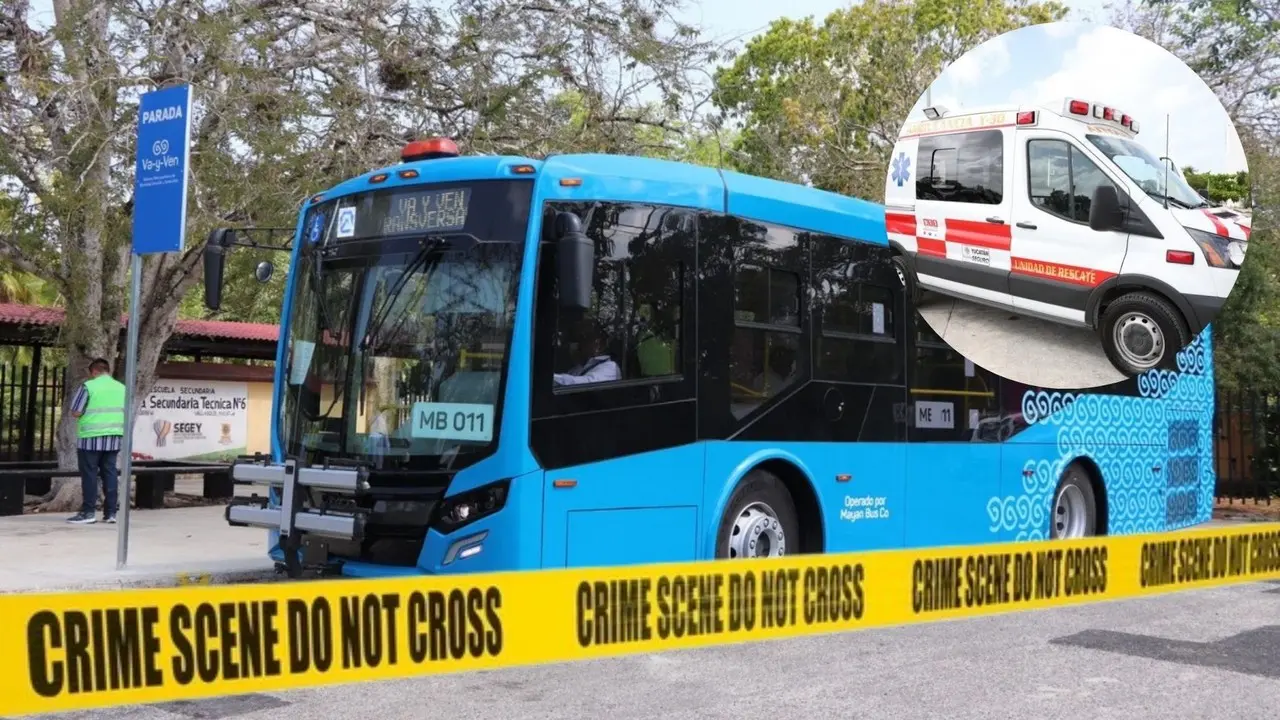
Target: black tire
(1144,307)
(1074,478)
(760,486)
(909,284)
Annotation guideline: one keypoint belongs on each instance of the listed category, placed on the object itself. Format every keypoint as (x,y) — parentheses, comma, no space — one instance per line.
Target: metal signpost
(159,224)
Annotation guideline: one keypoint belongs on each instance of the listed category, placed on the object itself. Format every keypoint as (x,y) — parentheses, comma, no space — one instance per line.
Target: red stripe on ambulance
(1086,277)
(927,246)
(994,236)
(1218,226)
(900,223)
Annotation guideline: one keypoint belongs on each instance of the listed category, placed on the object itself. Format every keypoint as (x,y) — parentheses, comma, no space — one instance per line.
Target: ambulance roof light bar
(1102,112)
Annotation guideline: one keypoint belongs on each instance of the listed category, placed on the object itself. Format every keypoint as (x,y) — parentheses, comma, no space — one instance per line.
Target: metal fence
(30,408)
(1247,447)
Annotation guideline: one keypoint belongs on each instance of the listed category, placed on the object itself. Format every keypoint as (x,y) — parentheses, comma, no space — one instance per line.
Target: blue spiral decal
(1154,450)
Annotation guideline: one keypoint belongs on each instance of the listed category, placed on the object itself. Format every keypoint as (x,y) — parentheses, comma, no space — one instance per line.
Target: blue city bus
(501,363)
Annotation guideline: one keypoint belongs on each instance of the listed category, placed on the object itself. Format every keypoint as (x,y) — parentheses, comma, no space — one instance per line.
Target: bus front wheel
(759,521)
(1075,509)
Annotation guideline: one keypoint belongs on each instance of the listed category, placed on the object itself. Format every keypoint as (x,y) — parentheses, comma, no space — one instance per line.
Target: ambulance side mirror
(1105,212)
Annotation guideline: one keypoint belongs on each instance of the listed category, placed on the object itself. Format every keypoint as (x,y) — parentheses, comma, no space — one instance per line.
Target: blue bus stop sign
(160,184)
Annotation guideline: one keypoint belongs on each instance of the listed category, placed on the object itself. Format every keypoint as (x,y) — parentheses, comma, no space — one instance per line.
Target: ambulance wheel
(1141,331)
(759,521)
(908,279)
(1075,509)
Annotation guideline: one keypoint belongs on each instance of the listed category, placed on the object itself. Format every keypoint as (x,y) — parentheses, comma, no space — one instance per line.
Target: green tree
(823,102)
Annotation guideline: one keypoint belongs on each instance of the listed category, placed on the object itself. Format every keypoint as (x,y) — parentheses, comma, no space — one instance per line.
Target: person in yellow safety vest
(98,407)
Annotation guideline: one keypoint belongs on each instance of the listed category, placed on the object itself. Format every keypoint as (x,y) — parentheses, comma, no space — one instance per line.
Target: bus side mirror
(1105,212)
(215,256)
(576,260)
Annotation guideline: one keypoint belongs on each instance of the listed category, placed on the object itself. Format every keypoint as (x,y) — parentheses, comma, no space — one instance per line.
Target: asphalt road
(1198,654)
(1022,348)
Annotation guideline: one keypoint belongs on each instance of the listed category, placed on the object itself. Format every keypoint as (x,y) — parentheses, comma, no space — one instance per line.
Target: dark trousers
(95,464)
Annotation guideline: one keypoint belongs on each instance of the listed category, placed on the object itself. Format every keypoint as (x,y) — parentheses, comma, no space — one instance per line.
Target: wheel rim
(1069,513)
(1139,341)
(902,277)
(757,533)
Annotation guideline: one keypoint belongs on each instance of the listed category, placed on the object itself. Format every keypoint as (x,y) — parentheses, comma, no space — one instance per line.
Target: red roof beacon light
(430,149)
(1078,107)
(1027,117)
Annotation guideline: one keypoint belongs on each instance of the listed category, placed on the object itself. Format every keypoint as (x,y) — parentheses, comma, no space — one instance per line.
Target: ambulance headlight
(1217,249)
(1235,253)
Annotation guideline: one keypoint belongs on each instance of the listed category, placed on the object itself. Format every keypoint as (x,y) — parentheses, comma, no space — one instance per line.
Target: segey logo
(160,147)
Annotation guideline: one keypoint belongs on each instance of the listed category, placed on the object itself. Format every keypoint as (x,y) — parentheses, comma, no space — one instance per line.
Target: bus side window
(632,329)
(765,350)
(857,298)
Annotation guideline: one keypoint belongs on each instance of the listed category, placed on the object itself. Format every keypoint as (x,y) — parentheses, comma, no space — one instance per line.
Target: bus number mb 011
(453,421)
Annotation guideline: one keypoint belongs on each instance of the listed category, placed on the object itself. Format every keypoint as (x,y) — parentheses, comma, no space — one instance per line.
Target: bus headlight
(1218,251)
(462,510)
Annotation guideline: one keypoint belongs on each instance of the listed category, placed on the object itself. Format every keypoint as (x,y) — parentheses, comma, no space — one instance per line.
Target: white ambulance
(1062,215)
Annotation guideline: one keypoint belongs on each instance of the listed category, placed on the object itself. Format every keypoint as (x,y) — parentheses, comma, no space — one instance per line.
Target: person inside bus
(596,365)
(778,372)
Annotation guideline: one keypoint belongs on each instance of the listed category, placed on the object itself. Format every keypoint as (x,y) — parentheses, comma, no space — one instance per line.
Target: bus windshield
(398,340)
(1149,172)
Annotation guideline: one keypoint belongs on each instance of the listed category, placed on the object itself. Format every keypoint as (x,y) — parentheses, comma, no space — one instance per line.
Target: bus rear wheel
(760,520)
(1075,509)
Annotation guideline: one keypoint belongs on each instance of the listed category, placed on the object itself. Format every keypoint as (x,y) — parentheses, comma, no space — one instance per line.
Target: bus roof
(624,178)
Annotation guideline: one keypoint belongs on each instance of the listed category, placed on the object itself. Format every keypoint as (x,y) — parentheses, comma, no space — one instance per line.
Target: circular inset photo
(1043,193)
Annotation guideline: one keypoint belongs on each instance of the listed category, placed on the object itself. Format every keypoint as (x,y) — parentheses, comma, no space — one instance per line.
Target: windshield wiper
(418,262)
(1170,199)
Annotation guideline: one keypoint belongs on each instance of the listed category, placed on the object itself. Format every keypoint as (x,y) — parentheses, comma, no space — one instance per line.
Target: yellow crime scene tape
(94,650)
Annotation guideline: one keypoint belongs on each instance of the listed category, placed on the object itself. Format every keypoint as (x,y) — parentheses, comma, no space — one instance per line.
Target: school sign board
(194,420)
(160,183)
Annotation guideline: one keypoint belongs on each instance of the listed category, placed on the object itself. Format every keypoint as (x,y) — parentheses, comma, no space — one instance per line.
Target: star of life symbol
(901,169)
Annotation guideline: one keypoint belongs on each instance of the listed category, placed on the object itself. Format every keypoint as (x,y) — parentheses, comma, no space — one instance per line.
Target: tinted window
(767,312)
(632,329)
(950,397)
(1062,179)
(963,167)
(856,296)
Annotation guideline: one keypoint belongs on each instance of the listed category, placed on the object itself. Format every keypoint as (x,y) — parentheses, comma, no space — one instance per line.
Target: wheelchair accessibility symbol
(346,222)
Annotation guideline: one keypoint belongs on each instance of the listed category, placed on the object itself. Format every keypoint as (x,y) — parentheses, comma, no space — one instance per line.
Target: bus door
(953,449)
(613,390)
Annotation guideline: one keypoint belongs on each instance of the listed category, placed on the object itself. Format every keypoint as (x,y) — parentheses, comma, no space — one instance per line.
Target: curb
(158,581)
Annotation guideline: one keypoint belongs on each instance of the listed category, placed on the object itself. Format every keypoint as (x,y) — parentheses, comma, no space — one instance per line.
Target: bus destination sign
(425,211)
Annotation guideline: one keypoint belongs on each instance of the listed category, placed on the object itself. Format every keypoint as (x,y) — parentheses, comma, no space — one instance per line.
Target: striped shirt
(103,443)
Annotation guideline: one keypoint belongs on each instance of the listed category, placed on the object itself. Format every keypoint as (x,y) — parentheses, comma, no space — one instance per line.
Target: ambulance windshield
(1148,171)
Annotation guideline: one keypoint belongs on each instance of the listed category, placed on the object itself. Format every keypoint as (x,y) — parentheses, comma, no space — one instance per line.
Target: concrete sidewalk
(43,553)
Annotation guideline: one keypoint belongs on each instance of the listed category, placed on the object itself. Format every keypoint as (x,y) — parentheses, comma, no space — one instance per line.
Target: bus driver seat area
(595,362)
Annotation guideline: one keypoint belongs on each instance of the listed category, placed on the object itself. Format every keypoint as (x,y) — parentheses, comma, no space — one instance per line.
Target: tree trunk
(165,279)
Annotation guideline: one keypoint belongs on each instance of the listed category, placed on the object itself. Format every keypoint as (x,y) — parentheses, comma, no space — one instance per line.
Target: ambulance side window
(963,167)
(1061,179)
